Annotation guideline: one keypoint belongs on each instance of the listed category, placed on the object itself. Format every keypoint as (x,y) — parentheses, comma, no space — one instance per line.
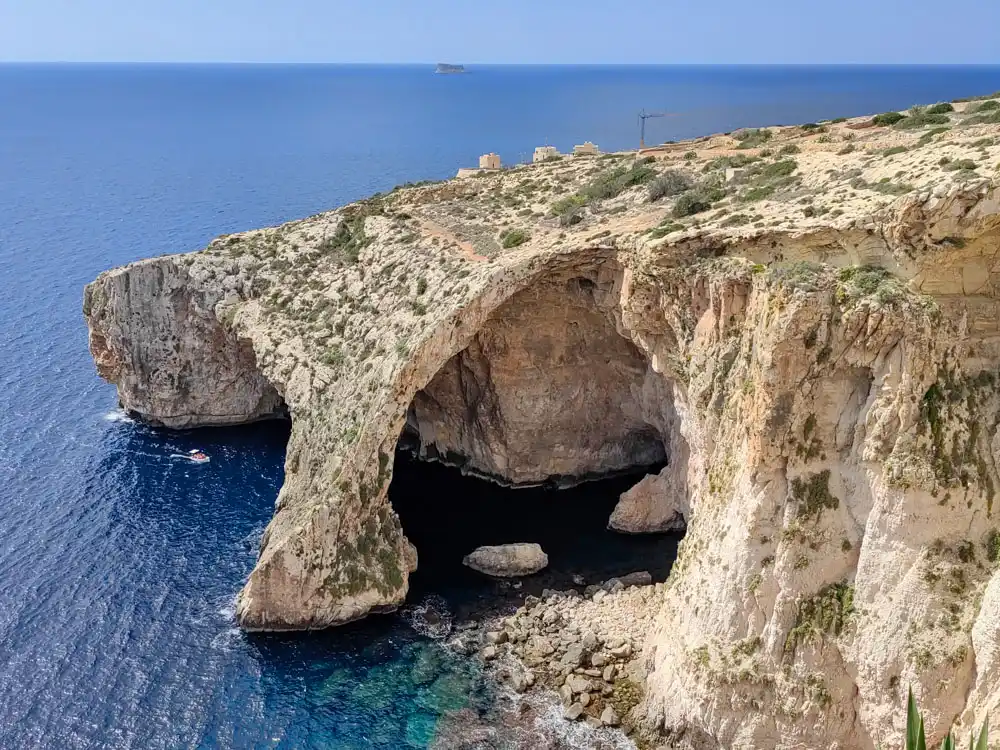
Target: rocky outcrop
(155,334)
(815,360)
(656,504)
(507,560)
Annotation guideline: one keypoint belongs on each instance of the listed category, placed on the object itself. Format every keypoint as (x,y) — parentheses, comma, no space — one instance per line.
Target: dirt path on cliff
(433,229)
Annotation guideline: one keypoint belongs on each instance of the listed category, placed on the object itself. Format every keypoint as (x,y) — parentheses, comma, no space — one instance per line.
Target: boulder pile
(580,645)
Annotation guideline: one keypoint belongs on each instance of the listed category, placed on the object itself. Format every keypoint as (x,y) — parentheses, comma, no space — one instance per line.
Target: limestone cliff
(800,323)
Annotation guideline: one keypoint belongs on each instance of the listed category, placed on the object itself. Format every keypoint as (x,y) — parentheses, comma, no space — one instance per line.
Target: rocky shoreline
(579,647)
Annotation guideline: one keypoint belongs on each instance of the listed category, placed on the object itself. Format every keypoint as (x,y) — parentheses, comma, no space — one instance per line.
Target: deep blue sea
(118,565)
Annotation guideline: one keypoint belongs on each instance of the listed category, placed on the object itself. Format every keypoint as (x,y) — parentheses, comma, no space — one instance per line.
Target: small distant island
(450,69)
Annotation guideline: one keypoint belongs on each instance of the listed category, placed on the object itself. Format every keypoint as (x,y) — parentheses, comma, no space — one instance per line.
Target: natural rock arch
(767,342)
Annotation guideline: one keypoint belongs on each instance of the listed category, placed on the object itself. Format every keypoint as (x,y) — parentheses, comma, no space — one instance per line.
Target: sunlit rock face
(548,389)
(154,333)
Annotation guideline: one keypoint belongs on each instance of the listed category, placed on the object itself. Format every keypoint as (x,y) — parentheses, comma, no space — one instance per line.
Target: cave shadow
(447,514)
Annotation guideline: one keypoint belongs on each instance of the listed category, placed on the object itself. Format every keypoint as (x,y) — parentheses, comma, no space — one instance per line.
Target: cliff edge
(800,321)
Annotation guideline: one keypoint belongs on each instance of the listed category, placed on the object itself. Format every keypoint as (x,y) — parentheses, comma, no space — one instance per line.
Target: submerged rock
(431,617)
(507,560)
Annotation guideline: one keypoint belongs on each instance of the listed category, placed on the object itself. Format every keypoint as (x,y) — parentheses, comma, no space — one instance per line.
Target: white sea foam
(228,610)
(431,617)
(549,722)
(118,415)
(227,639)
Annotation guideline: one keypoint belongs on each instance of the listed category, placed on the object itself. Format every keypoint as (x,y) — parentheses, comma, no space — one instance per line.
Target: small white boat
(196,456)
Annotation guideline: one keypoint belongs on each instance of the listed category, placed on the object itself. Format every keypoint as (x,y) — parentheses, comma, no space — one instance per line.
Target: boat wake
(194,456)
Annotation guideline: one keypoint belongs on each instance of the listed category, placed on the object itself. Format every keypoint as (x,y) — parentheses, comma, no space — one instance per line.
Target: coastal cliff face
(813,360)
(155,335)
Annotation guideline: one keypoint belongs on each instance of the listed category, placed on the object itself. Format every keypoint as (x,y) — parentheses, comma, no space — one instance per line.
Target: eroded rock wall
(548,389)
(841,478)
(154,333)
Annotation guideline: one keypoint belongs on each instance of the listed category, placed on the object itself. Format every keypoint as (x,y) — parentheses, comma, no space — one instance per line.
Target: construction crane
(643,116)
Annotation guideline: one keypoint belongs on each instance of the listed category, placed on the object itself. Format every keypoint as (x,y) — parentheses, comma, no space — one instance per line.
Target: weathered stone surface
(410,556)
(508,561)
(516,391)
(182,367)
(573,712)
(566,695)
(609,718)
(518,682)
(574,655)
(821,382)
(657,503)
(639,578)
(497,637)
(579,684)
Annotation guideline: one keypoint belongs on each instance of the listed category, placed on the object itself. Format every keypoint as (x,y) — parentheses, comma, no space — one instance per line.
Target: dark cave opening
(447,514)
(551,413)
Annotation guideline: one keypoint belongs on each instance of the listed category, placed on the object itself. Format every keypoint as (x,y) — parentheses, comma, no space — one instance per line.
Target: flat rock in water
(507,560)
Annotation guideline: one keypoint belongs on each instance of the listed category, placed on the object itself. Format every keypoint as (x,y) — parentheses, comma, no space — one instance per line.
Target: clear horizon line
(510,64)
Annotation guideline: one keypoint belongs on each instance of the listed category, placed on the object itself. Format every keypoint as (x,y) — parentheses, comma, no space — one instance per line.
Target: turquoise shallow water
(117,564)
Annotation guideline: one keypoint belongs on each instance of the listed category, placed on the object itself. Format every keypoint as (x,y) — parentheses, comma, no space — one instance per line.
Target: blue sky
(513,31)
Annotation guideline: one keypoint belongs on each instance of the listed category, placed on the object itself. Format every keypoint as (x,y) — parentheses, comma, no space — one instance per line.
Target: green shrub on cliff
(569,204)
(986,118)
(959,164)
(826,613)
(513,237)
(758,193)
(929,135)
(803,275)
(727,162)
(986,106)
(813,495)
(920,120)
(753,137)
(690,203)
(668,184)
(333,357)
(857,283)
(940,108)
(888,118)
(609,184)
(347,241)
(781,168)
(616,181)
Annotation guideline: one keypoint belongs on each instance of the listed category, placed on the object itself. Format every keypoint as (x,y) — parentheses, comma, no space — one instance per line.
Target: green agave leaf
(948,743)
(921,739)
(912,722)
(981,744)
